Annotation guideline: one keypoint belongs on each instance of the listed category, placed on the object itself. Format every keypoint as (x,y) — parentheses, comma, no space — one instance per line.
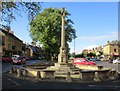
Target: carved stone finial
(63,12)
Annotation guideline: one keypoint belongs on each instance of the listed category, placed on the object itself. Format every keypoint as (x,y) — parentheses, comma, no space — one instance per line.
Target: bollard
(68,78)
(43,74)
(113,74)
(38,76)
(96,76)
(19,72)
(15,70)
(25,73)
(11,71)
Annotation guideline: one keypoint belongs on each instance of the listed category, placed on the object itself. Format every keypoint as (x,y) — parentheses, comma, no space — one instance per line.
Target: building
(96,50)
(10,43)
(112,49)
(36,51)
(32,51)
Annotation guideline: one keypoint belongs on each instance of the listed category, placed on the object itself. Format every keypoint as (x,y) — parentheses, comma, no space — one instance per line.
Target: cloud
(94,41)
(111,35)
(77,51)
(90,47)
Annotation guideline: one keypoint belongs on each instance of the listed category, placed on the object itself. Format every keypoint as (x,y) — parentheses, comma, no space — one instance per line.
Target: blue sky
(95,23)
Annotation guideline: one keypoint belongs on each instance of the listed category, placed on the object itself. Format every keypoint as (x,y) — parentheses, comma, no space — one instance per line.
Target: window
(114,50)
(13,47)
(79,60)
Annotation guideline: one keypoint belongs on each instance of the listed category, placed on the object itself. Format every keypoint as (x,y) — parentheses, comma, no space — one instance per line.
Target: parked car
(15,57)
(19,60)
(94,59)
(83,61)
(115,61)
(6,59)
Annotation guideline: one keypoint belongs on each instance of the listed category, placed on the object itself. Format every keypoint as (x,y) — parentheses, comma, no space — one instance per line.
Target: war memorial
(63,71)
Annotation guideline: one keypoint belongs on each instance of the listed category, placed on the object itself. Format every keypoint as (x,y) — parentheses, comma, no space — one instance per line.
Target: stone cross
(62,57)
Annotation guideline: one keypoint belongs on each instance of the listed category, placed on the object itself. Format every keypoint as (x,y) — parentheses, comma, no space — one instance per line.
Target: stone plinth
(62,58)
(61,70)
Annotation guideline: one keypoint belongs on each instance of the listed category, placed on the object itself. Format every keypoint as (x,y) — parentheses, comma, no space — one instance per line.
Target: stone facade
(10,43)
(112,48)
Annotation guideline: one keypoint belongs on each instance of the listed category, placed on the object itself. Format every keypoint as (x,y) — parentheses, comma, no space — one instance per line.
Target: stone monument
(62,57)
(62,68)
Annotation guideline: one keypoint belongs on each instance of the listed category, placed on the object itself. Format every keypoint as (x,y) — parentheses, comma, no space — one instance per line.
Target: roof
(116,42)
(113,43)
(13,36)
(34,48)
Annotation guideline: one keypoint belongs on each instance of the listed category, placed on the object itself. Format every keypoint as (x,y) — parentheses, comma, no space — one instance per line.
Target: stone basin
(41,71)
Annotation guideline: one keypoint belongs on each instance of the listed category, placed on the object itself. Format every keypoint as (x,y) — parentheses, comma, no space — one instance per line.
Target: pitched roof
(7,33)
(115,42)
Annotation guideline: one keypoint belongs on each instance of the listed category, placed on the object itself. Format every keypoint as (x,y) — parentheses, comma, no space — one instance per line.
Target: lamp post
(74,46)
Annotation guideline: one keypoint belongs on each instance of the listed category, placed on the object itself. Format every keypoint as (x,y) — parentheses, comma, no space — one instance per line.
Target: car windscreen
(87,59)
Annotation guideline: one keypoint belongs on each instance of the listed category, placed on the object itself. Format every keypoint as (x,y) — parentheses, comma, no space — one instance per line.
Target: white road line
(14,82)
(91,85)
(104,86)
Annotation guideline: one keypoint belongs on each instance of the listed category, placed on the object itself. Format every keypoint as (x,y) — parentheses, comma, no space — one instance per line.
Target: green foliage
(46,30)
(80,55)
(101,53)
(11,9)
(91,54)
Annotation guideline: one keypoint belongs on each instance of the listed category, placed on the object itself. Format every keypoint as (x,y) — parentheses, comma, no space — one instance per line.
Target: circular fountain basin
(98,74)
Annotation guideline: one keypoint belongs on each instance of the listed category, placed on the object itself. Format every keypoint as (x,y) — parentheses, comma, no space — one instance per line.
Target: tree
(9,10)
(46,30)
(91,54)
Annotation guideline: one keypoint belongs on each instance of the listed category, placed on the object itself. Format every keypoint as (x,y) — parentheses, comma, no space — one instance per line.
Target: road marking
(104,86)
(14,82)
(91,85)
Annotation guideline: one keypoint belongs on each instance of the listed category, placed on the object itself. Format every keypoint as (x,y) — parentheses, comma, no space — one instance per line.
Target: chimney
(108,42)
(11,32)
(6,28)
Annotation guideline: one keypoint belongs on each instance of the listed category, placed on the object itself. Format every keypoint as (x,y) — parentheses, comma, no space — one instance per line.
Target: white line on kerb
(14,82)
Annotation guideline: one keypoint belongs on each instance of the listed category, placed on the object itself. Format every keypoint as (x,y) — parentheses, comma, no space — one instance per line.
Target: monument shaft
(63,34)
(62,57)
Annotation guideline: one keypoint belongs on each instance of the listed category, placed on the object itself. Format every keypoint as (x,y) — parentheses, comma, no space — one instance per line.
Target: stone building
(112,49)
(32,50)
(10,43)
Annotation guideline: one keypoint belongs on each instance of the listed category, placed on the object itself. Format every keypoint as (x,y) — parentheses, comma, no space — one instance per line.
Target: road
(6,66)
(111,65)
(10,82)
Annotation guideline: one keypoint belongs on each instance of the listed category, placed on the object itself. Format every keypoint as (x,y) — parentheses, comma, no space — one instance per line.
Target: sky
(95,23)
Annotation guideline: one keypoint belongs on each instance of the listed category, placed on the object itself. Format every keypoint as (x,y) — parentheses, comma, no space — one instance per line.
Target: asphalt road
(111,65)
(6,66)
(10,82)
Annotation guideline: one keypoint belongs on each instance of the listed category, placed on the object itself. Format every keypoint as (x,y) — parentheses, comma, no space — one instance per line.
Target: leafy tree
(9,10)
(46,30)
(91,54)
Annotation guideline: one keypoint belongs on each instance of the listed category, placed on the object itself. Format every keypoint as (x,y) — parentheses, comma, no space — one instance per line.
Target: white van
(15,57)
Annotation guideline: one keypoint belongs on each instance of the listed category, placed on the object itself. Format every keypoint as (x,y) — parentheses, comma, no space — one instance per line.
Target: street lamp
(74,43)
(74,47)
